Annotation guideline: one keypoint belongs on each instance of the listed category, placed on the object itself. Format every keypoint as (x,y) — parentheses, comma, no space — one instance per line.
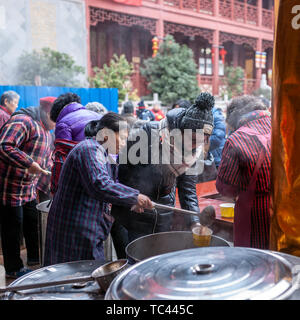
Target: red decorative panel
(237,39)
(252,15)
(203,6)
(267,44)
(190,4)
(172,3)
(267,18)
(171,28)
(239,11)
(206,6)
(101,15)
(225,8)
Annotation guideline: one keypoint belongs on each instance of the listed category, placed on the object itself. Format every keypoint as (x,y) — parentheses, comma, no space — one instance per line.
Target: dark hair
(9,95)
(61,102)
(128,107)
(110,120)
(240,106)
(182,103)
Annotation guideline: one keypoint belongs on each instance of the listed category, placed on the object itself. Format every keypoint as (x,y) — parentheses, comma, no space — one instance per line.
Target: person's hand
(143,202)
(36,169)
(137,209)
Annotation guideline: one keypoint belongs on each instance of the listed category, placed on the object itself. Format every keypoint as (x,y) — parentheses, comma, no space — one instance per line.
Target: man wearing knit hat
(143,113)
(25,149)
(157,179)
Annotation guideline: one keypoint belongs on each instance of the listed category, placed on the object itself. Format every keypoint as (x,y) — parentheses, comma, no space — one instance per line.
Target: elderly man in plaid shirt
(25,146)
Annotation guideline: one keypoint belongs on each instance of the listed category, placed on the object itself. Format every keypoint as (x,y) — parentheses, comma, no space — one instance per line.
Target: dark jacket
(186,185)
(145,114)
(157,182)
(217,139)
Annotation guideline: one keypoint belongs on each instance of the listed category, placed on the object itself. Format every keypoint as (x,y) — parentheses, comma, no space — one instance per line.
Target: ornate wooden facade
(232,30)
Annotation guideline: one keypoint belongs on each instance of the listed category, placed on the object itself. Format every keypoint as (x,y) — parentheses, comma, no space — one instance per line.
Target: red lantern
(223,53)
(212,55)
(154,46)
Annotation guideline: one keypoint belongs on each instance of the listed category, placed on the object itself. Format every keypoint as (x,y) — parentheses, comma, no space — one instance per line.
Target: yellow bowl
(201,240)
(227,210)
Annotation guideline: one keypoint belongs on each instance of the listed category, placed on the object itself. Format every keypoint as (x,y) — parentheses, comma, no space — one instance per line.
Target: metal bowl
(105,274)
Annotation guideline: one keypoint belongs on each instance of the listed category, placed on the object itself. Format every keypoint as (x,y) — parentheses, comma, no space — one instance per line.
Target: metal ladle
(103,275)
(206,217)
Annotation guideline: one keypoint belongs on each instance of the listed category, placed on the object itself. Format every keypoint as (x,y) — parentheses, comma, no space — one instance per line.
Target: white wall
(32,24)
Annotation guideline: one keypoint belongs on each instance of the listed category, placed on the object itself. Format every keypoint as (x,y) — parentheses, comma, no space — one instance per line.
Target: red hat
(46,103)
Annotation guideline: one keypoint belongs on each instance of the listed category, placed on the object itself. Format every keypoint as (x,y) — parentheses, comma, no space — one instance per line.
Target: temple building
(238,32)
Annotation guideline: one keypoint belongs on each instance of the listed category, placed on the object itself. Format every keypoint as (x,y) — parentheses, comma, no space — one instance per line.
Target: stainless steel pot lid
(55,272)
(206,273)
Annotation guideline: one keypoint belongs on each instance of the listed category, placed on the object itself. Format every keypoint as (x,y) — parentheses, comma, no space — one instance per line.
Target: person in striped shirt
(244,171)
(79,219)
(24,150)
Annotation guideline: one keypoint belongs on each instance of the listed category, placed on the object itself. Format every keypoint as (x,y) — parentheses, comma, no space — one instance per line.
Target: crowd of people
(72,155)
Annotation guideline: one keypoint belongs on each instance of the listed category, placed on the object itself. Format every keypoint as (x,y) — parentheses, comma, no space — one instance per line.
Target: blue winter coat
(217,139)
(145,114)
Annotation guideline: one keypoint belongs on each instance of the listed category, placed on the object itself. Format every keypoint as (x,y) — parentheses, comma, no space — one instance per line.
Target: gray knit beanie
(199,115)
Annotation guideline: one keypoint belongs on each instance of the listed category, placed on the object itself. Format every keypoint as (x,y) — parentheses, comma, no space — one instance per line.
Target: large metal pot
(164,242)
(57,272)
(210,273)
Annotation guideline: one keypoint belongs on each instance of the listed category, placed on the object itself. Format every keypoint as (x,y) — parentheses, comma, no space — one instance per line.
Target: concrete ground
(6,281)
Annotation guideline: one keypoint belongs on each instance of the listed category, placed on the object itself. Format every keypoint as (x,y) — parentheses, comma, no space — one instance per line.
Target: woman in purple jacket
(71,118)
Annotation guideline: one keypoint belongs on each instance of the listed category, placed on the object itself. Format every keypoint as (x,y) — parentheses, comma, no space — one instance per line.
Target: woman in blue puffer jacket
(218,137)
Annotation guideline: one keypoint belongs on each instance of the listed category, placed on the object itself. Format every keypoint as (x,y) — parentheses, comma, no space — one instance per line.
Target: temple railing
(229,9)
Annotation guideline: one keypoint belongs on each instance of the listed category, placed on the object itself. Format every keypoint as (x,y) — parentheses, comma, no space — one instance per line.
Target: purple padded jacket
(72,120)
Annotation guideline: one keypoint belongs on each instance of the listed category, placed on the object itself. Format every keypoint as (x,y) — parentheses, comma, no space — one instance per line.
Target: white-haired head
(96,107)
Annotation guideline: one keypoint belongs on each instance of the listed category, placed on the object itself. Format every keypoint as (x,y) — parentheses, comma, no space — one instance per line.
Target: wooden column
(89,63)
(232,9)
(258,70)
(135,50)
(193,45)
(259,12)
(216,43)
(235,55)
(110,44)
(98,46)
(216,8)
(160,21)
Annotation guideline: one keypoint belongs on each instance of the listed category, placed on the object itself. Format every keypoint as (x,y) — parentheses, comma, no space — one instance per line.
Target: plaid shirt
(22,142)
(60,153)
(79,219)
(239,158)
(4,115)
